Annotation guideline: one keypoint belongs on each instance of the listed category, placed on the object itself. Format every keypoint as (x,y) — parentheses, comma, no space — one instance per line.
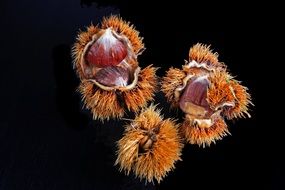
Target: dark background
(47,141)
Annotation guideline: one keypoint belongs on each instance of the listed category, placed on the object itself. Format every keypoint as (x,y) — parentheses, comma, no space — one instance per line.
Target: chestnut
(207,94)
(105,59)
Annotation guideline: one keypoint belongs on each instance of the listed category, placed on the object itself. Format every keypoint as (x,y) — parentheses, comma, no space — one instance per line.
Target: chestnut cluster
(112,82)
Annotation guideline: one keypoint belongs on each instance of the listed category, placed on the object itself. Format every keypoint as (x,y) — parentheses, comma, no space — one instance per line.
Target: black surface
(48,142)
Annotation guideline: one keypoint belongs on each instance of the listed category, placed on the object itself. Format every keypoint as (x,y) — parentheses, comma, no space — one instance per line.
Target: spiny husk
(202,54)
(223,89)
(219,90)
(102,104)
(173,79)
(242,101)
(144,91)
(225,95)
(156,162)
(106,104)
(204,136)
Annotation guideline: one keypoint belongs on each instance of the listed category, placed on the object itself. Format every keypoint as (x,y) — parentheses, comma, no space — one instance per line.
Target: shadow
(67,98)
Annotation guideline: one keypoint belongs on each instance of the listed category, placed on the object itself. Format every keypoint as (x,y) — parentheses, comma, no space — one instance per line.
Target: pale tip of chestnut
(107,50)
